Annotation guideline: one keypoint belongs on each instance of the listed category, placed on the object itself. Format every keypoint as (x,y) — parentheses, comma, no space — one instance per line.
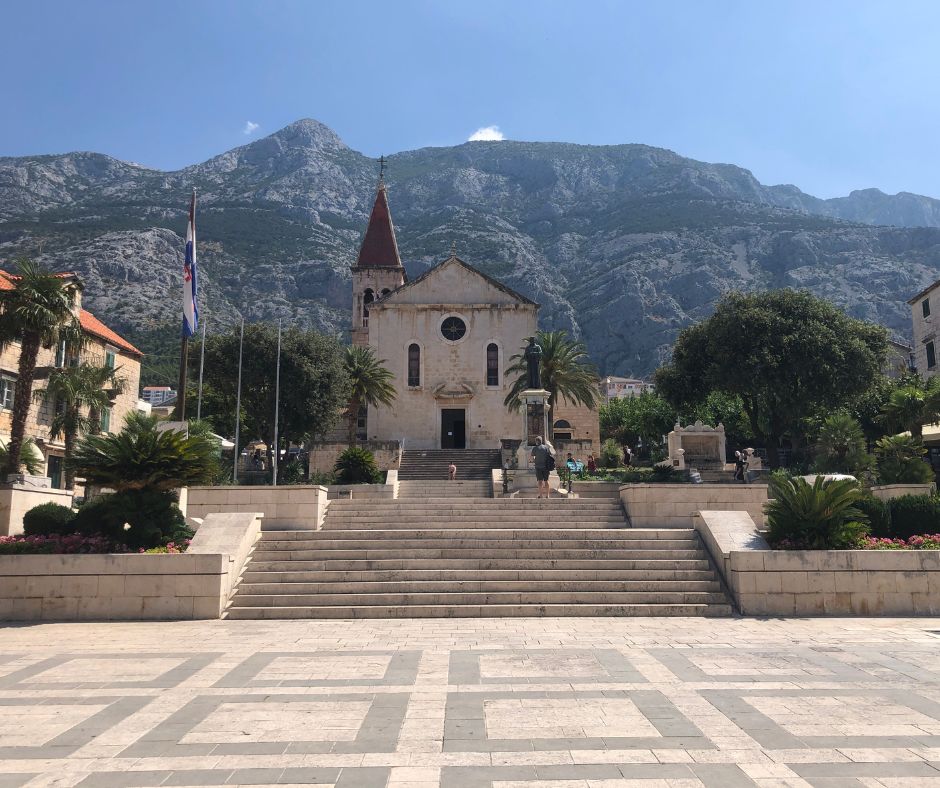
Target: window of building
(492,364)
(453,329)
(362,423)
(109,358)
(562,430)
(925,307)
(60,355)
(7,386)
(931,356)
(106,419)
(367,298)
(414,365)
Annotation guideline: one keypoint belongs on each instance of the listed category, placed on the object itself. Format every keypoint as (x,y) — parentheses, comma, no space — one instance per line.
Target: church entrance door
(453,428)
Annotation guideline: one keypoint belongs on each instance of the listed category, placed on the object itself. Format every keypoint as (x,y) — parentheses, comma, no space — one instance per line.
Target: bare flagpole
(238,398)
(202,360)
(277,404)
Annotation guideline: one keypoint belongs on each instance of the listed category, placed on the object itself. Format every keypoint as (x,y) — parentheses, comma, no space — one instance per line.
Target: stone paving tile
(540,703)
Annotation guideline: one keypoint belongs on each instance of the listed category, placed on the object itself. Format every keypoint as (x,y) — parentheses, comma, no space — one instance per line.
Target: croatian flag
(190,308)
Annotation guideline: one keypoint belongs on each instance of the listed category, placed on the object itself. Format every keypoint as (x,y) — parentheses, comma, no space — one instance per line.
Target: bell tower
(378,270)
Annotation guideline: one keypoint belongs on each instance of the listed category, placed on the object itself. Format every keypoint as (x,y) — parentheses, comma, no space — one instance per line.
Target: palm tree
(30,457)
(38,312)
(566,370)
(143,457)
(913,405)
(841,444)
(72,389)
(370,384)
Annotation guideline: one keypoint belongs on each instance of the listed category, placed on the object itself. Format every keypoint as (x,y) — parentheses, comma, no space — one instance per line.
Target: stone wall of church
(453,374)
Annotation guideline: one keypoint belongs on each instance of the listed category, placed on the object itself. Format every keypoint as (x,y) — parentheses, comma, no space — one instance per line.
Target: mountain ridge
(622,244)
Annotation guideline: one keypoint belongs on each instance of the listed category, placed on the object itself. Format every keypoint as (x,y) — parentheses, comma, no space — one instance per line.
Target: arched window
(414,365)
(562,424)
(367,298)
(492,364)
(562,430)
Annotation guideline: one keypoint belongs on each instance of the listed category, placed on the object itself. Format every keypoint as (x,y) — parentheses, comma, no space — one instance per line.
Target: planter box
(289,507)
(17,499)
(818,582)
(676,505)
(193,585)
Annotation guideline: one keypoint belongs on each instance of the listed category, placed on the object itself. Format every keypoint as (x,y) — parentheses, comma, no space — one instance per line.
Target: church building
(445,336)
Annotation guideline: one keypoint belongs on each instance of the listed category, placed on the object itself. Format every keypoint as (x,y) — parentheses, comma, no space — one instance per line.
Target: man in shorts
(541,453)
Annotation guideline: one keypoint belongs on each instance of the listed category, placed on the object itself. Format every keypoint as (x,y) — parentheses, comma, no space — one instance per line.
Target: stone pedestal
(535,415)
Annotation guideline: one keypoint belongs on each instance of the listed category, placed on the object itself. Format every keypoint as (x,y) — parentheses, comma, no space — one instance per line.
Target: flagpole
(202,360)
(277,402)
(189,323)
(238,398)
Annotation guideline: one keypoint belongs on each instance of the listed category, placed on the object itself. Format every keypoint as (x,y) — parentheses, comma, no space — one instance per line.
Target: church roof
(453,258)
(379,247)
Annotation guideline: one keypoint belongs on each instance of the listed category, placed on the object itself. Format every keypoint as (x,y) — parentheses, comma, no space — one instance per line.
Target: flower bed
(72,544)
(923,542)
(56,544)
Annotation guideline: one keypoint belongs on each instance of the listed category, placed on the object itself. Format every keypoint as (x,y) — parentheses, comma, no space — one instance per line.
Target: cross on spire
(382,161)
(453,248)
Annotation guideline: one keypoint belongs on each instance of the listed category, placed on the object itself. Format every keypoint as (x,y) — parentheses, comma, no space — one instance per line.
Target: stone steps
(478,611)
(460,557)
(432,464)
(477,575)
(409,587)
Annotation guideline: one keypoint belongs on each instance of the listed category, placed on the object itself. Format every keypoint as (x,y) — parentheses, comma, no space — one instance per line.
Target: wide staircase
(458,556)
(432,464)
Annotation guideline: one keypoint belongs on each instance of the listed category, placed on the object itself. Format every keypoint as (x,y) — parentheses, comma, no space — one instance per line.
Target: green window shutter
(106,420)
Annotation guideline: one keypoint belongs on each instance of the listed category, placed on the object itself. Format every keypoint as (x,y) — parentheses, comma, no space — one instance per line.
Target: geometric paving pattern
(546,703)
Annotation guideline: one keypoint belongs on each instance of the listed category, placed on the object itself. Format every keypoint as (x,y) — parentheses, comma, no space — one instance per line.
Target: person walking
(452,472)
(543,457)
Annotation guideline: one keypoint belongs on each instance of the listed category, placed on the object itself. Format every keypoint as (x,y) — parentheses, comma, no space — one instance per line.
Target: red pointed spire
(379,247)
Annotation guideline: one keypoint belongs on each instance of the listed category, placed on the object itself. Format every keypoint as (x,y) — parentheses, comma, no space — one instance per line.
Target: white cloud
(250,128)
(487,134)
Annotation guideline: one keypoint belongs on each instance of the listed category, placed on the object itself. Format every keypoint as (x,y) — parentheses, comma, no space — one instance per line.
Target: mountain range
(623,245)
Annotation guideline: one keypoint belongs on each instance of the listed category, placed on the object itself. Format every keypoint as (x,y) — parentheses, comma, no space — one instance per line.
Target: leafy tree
(566,372)
(314,385)
(143,457)
(841,445)
(726,409)
(785,353)
(370,384)
(819,516)
(73,389)
(900,460)
(38,312)
(913,404)
(647,417)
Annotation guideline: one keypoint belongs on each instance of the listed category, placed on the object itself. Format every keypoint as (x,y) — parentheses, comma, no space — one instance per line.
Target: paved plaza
(484,703)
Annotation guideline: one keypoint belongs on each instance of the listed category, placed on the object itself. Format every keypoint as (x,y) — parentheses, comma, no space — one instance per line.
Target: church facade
(446,337)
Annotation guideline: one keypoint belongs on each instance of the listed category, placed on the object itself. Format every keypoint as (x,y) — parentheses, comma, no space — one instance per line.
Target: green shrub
(878,513)
(137,518)
(663,473)
(48,518)
(610,454)
(357,466)
(913,515)
(326,478)
(818,516)
(291,473)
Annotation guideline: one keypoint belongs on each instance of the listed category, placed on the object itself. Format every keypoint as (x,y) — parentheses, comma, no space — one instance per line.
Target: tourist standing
(627,455)
(452,472)
(543,457)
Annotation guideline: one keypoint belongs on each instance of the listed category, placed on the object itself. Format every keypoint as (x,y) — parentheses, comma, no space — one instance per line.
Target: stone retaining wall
(17,499)
(818,582)
(193,585)
(676,505)
(888,491)
(285,508)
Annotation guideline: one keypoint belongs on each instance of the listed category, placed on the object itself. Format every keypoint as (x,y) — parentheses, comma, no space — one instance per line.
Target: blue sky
(831,95)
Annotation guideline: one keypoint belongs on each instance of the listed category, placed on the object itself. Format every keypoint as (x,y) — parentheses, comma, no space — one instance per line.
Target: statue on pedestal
(533,358)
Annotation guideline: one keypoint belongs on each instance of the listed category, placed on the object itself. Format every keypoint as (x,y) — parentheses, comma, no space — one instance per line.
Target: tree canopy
(785,353)
(314,384)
